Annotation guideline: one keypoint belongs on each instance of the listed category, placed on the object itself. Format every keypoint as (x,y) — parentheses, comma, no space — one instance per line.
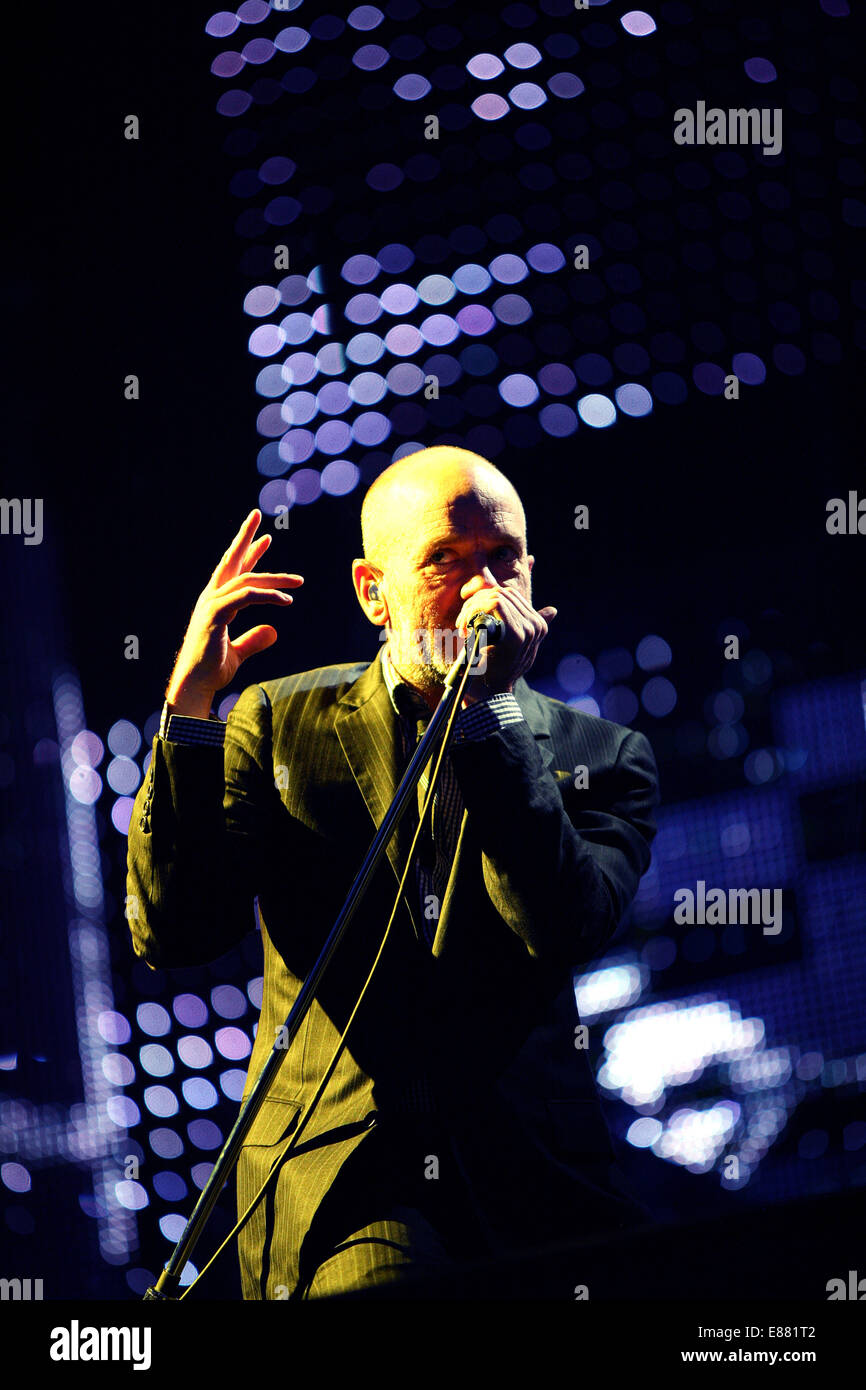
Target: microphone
(493,626)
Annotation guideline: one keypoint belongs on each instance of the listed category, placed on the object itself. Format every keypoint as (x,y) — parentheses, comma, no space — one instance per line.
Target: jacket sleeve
(199,836)
(560,865)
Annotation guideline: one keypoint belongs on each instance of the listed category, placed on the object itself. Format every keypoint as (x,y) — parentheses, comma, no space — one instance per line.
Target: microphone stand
(168,1283)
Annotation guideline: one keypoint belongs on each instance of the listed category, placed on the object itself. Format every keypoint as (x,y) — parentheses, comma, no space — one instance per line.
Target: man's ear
(365,575)
(530,560)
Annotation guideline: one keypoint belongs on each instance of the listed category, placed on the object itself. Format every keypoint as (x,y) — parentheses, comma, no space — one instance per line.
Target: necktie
(427,841)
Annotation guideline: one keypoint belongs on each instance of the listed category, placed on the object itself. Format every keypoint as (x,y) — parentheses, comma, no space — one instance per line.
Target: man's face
(442,543)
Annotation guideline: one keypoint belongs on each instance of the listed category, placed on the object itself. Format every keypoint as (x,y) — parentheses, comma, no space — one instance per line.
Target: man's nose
(482,579)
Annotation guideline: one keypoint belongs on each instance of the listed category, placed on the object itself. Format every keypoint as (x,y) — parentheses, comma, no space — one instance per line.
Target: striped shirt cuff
(182,728)
(485,717)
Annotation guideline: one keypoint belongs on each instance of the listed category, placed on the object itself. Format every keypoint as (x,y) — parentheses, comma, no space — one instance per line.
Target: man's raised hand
(208,658)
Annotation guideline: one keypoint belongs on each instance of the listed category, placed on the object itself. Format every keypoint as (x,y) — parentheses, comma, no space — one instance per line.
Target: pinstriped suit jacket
(541,876)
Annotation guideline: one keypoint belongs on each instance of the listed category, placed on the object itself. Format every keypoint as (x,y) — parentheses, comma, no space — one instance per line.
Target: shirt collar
(406,701)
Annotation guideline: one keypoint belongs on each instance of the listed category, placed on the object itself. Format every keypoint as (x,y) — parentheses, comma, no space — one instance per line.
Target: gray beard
(424,664)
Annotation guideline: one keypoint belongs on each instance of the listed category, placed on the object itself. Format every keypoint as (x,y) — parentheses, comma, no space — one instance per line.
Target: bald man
(461,1121)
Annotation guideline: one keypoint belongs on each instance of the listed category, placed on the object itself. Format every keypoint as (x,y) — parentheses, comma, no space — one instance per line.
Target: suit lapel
(366,727)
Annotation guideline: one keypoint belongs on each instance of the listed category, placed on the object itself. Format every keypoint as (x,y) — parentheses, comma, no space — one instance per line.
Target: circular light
(412,86)
(294,328)
(575,674)
(638,23)
(122,1111)
(512,308)
(360,270)
(633,399)
(124,739)
(232,1043)
(199,1093)
(204,1134)
(296,446)
(365,348)
(299,369)
(339,477)
(405,379)
(172,1227)
(189,1010)
(439,330)
(228,1001)
(558,420)
(522,55)
(268,339)
(436,289)
(749,368)
(363,308)
(565,85)
(165,1143)
(597,411)
(118,1069)
(156,1059)
(114,1028)
(232,1083)
(261,301)
(131,1195)
(371,428)
(161,1101)
(472,278)
(653,653)
(658,696)
(485,66)
(367,388)
(304,486)
(122,775)
(403,339)
(518,390)
(508,269)
(15,1177)
(528,96)
(399,298)
(169,1186)
(490,107)
(194,1051)
(152,1019)
(270,381)
(334,437)
(760,70)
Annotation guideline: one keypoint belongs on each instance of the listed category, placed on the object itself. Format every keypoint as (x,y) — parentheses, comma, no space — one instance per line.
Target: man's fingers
(284,580)
(228,565)
(255,552)
(258,639)
(231,603)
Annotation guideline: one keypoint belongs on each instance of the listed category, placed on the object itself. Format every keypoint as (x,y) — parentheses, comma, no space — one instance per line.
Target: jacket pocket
(275,1120)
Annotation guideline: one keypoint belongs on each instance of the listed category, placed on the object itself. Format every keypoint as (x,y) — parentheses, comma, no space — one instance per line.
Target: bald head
(410,485)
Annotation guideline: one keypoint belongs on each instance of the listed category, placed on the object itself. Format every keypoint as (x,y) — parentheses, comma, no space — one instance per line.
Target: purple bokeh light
(760,70)
(485,66)
(490,107)
(638,23)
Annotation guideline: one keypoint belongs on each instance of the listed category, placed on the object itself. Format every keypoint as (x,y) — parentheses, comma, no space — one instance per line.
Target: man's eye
(439,557)
(507,552)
